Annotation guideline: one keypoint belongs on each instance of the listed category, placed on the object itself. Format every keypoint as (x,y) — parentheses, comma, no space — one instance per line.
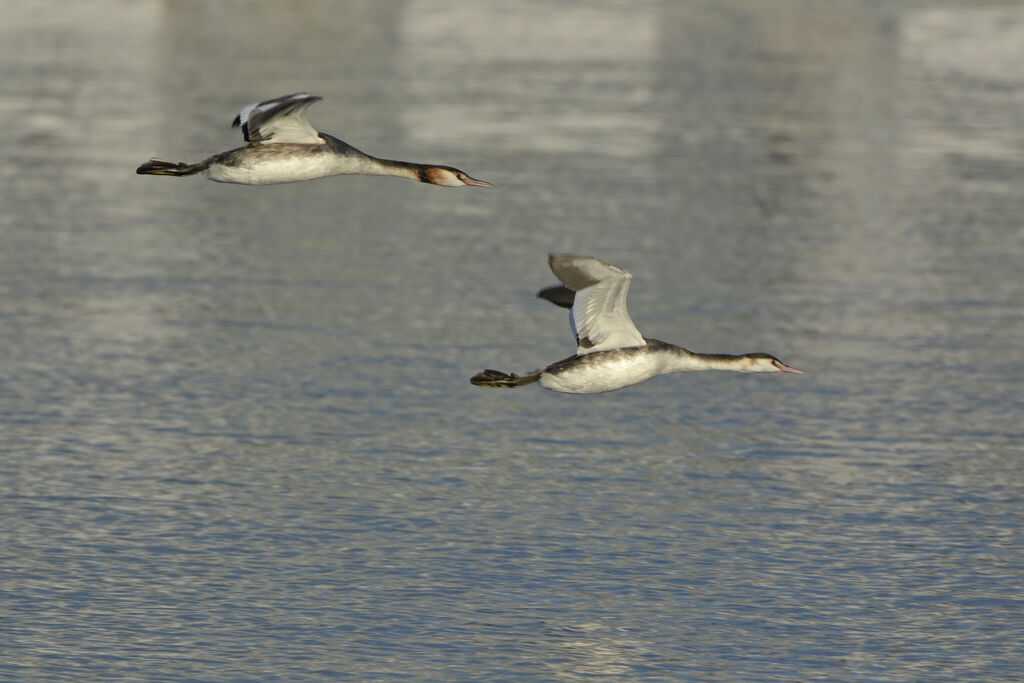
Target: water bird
(284,148)
(611,353)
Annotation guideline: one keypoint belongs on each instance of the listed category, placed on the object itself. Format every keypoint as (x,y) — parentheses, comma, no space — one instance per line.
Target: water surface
(237,438)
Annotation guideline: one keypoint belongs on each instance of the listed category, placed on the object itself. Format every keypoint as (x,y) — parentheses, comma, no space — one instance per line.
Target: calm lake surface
(237,437)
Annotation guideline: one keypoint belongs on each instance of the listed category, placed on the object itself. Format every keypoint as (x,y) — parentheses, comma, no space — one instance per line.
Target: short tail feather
(161,167)
(494,378)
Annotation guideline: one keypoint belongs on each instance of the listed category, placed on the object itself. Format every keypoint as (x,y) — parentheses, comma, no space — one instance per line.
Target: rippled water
(237,440)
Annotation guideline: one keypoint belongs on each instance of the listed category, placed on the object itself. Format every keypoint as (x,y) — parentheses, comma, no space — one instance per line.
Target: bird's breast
(603,371)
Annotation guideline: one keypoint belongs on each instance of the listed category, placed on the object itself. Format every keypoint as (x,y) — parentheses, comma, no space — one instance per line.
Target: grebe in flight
(611,352)
(284,148)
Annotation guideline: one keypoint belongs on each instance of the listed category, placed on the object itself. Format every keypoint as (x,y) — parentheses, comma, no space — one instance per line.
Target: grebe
(611,353)
(284,148)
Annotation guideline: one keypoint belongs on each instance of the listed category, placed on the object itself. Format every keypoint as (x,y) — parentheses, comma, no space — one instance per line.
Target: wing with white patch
(599,316)
(282,119)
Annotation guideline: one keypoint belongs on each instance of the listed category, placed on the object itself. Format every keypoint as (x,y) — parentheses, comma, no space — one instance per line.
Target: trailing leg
(161,167)
(494,378)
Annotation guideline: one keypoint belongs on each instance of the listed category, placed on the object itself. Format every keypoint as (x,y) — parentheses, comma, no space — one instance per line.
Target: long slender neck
(405,169)
(683,360)
(357,161)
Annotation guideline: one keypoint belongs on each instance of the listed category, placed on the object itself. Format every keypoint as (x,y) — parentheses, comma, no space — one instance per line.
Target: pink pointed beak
(473,182)
(785,368)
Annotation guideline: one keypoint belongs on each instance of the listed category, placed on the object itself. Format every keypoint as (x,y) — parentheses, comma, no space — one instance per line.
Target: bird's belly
(277,168)
(601,371)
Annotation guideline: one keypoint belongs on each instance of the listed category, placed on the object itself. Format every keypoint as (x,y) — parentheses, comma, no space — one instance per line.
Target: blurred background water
(237,437)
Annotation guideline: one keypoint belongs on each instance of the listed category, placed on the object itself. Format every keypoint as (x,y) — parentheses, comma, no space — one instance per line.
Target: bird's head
(450,177)
(763,362)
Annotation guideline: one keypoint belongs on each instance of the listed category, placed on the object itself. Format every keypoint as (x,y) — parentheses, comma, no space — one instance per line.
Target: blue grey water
(237,437)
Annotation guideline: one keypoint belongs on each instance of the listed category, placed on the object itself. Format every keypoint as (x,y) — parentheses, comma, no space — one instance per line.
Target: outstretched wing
(599,316)
(282,119)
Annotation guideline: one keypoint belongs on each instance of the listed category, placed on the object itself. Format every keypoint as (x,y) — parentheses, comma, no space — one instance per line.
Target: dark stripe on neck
(341,147)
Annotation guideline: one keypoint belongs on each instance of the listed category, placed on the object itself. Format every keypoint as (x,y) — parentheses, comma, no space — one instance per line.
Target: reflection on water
(522,85)
(238,440)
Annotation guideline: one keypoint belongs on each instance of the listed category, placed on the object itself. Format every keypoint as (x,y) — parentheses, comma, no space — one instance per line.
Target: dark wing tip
(568,273)
(295,98)
(559,295)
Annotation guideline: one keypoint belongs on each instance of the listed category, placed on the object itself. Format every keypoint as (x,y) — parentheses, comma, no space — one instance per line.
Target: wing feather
(599,316)
(280,120)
